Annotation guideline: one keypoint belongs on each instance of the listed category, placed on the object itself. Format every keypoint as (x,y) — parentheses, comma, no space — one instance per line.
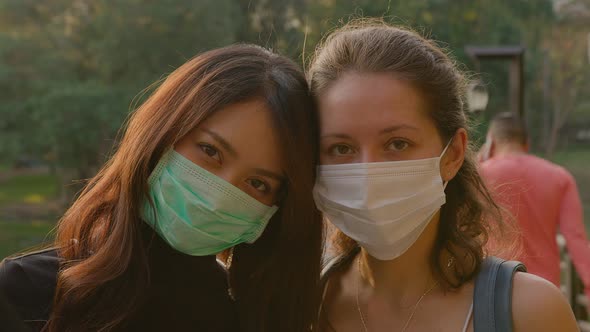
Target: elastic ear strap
(442,154)
(446,147)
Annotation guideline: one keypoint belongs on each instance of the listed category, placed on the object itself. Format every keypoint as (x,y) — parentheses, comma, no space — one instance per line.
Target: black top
(186,293)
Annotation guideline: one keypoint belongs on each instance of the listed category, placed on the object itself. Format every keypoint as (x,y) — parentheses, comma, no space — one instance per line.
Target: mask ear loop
(446,147)
(441,155)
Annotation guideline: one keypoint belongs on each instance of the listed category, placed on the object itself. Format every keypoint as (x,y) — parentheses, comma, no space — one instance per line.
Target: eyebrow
(336,136)
(395,128)
(225,144)
(264,172)
(384,131)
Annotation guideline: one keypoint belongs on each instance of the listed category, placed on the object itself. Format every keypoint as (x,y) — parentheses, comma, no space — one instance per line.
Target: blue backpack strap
(492,297)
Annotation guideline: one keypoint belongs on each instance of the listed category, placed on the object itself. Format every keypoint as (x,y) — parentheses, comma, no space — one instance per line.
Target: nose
(370,156)
(231,176)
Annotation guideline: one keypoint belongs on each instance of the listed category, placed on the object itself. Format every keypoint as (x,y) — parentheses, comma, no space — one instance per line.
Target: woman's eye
(210,151)
(398,145)
(340,149)
(259,185)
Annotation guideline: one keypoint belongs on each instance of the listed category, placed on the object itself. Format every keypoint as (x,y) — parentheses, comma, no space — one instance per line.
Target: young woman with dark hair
(220,157)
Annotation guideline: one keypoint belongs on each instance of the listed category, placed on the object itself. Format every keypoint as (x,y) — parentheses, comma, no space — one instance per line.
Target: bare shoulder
(537,305)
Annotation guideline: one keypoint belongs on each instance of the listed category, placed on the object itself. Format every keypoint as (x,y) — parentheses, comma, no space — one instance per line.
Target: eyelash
(266,189)
(398,140)
(204,147)
(333,149)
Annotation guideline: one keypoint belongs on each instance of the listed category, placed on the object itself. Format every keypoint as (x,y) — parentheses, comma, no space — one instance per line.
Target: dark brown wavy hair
(276,279)
(373,46)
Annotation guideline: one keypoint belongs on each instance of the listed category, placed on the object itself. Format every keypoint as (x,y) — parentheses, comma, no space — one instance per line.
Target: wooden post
(515,54)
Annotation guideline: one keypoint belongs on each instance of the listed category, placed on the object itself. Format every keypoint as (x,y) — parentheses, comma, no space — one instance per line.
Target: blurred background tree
(69,69)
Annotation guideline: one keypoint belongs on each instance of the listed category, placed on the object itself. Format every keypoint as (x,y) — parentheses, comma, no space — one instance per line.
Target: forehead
(371,102)
(249,128)
(250,115)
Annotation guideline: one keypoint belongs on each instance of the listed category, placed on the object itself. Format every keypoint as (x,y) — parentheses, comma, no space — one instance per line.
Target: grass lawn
(18,237)
(33,188)
(19,233)
(575,159)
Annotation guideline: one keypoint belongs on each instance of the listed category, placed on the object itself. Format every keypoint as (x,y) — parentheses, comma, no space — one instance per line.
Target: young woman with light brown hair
(399,182)
(220,157)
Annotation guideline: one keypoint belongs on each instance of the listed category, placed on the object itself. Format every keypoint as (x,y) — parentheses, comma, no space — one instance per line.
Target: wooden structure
(514,54)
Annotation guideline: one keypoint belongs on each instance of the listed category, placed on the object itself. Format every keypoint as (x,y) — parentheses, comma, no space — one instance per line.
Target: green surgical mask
(198,213)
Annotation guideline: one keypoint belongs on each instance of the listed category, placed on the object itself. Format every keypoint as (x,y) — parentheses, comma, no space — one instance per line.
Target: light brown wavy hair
(373,46)
(276,279)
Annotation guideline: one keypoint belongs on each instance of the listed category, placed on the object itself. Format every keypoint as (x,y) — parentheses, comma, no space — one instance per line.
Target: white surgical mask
(384,206)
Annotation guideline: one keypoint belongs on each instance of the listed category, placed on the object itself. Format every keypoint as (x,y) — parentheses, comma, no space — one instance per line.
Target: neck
(406,277)
(506,149)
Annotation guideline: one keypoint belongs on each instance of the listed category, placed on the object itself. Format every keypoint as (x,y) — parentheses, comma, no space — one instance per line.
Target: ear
(492,149)
(453,159)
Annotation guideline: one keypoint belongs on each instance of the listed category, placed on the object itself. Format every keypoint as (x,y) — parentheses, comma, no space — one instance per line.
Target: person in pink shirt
(541,196)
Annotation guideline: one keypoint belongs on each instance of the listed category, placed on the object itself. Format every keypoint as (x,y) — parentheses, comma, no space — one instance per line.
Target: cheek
(252,192)
(269,200)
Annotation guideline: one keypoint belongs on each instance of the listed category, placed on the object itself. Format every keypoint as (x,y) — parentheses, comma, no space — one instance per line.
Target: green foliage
(573,159)
(65,112)
(69,69)
(123,40)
